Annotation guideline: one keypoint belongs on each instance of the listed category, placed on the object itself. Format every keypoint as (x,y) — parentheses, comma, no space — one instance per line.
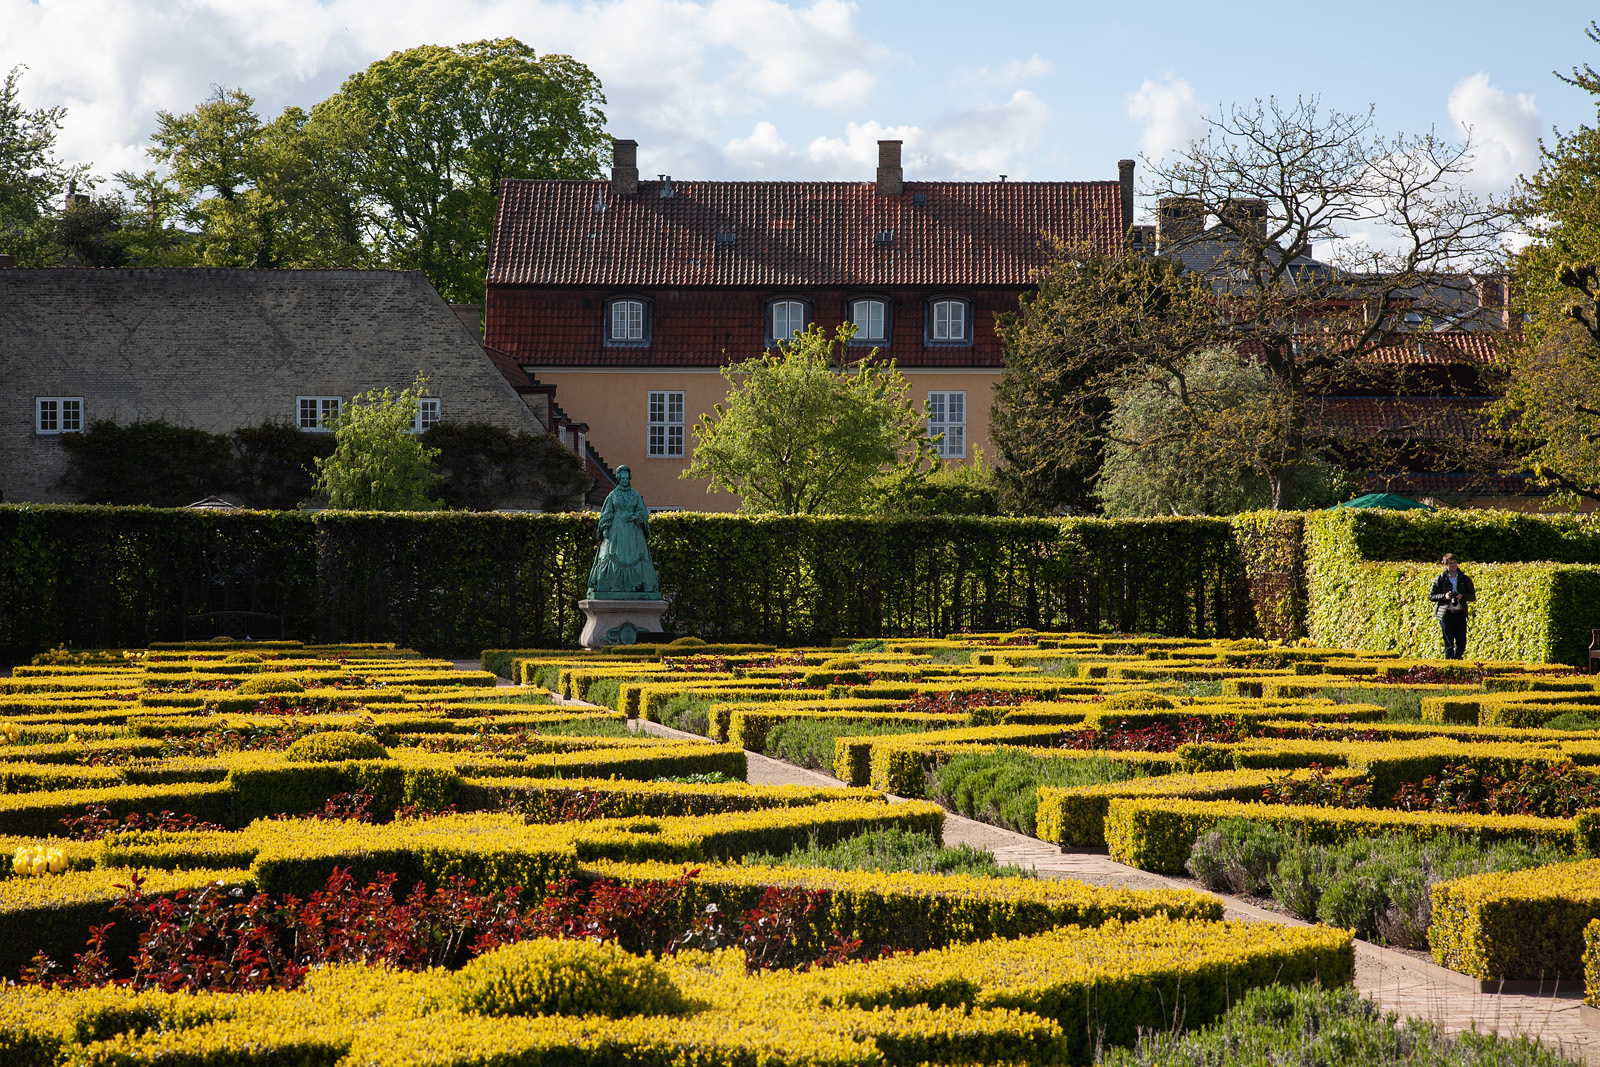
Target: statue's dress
(622,568)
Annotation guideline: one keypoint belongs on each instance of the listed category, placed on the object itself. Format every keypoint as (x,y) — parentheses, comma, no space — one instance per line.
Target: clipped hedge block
(1517,925)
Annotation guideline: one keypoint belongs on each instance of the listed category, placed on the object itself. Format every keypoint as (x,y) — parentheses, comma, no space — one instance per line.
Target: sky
(722,89)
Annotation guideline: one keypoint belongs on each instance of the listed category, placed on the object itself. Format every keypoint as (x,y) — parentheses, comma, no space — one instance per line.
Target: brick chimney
(624,167)
(891,179)
(1125,176)
(1178,218)
(1247,216)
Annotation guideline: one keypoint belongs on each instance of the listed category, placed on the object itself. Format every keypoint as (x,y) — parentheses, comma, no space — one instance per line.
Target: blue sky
(762,88)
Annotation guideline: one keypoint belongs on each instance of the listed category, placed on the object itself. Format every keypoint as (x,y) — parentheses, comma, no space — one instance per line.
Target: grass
(894,849)
(1572,720)
(1065,668)
(1002,787)
(809,742)
(1283,1025)
(1377,886)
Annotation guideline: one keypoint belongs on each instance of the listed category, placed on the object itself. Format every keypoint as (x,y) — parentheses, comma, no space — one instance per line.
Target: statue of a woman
(622,568)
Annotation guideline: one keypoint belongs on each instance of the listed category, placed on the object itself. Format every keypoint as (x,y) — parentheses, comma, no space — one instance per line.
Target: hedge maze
(353,854)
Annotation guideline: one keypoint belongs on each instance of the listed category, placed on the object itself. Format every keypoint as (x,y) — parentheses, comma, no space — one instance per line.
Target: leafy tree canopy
(378,462)
(1553,393)
(803,432)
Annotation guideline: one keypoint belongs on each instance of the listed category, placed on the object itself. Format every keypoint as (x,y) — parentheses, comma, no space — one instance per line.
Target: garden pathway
(1394,980)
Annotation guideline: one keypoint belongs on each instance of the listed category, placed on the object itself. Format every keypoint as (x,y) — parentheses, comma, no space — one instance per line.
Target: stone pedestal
(619,622)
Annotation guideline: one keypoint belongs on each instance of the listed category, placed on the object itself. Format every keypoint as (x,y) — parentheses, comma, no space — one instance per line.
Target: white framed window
(949,321)
(947,414)
(58,414)
(627,322)
(317,413)
(787,318)
(871,318)
(428,414)
(666,424)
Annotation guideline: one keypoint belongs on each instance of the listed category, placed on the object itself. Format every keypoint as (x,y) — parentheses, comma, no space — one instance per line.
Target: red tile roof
(1448,346)
(1424,417)
(767,233)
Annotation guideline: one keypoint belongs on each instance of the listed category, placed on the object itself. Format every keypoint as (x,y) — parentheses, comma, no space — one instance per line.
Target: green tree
(804,433)
(1094,322)
(379,463)
(1553,392)
(1202,440)
(31,178)
(442,127)
(254,194)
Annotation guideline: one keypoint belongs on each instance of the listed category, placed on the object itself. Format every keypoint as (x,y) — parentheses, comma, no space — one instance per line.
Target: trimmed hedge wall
(1369,582)
(460,582)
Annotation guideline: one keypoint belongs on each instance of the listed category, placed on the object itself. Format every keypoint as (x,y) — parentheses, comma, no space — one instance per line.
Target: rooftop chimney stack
(891,179)
(1178,218)
(624,167)
(1125,176)
(1248,216)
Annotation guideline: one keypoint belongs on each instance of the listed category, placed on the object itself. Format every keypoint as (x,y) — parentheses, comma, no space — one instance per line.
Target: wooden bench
(240,625)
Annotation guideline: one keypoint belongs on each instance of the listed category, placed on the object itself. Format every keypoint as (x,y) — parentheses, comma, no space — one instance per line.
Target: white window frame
(789,304)
(947,414)
(324,409)
(57,414)
(664,420)
(881,338)
(636,326)
(430,412)
(949,331)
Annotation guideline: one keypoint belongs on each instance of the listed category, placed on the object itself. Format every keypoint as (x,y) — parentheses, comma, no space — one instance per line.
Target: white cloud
(975,144)
(1168,113)
(1013,72)
(1504,131)
(675,71)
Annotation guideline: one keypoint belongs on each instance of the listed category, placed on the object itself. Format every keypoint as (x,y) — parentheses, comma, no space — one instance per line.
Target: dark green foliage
(1376,886)
(1474,536)
(1002,786)
(96,577)
(1572,720)
(587,728)
(461,582)
(484,467)
(894,849)
(689,713)
(1283,1024)
(153,463)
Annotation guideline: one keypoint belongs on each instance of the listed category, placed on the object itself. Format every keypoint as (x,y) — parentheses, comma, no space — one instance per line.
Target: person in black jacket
(1451,593)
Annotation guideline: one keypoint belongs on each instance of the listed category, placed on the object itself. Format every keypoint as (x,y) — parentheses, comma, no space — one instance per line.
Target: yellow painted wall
(614,402)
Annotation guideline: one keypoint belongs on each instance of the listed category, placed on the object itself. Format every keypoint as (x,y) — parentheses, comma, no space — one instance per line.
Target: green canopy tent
(1392,501)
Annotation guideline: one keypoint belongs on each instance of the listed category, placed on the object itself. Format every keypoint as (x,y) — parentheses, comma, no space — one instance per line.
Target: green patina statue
(622,568)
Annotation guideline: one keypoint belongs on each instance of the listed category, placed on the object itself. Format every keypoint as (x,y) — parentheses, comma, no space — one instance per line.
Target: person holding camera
(1451,593)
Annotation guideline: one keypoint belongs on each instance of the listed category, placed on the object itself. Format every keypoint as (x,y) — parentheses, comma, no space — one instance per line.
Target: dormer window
(628,322)
(949,322)
(871,318)
(785,318)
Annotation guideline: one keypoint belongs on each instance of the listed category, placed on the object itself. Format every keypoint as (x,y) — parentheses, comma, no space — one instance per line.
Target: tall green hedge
(461,581)
(126,576)
(1369,574)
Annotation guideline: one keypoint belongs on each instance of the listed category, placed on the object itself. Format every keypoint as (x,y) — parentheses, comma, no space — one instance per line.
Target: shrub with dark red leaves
(1551,790)
(962,703)
(1319,789)
(97,821)
(222,940)
(1158,736)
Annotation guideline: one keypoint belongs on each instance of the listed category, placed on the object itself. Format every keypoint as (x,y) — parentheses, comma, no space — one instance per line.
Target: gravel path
(1395,981)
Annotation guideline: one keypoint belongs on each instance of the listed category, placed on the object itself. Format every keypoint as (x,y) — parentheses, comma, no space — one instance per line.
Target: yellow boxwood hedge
(1526,924)
(1048,999)
(1156,834)
(919,911)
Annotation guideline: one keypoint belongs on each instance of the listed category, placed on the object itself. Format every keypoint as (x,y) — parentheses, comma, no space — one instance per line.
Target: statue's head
(624,476)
